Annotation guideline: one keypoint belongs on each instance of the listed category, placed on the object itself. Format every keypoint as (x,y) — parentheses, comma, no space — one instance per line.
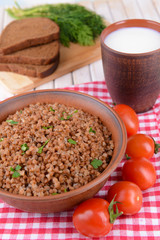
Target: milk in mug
(133,40)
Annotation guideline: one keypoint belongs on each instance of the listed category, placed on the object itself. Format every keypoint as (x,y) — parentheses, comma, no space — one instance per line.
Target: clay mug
(132,78)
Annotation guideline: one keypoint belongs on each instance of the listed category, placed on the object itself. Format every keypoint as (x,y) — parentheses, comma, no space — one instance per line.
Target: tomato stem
(113,214)
(127,157)
(156,147)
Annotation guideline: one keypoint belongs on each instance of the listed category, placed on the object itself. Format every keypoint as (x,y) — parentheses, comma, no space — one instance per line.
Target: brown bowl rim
(89,185)
(135,22)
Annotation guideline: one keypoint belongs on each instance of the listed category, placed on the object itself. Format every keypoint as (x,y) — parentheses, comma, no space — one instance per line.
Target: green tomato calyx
(112,212)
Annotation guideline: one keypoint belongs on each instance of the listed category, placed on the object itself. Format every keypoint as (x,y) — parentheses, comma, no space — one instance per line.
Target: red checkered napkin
(15,224)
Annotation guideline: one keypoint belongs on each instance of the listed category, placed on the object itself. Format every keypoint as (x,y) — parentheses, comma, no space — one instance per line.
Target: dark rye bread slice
(40,71)
(38,55)
(27,32)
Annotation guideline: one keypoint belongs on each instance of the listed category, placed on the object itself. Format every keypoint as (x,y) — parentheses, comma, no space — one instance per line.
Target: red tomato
(92,219)
(139,171)
(140,145)
(128,194)
(129,117)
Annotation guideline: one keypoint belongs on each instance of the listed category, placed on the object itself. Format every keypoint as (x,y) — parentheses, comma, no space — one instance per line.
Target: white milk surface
(133,40)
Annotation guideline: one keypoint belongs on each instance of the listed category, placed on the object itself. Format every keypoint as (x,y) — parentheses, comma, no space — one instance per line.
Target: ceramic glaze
(133,40)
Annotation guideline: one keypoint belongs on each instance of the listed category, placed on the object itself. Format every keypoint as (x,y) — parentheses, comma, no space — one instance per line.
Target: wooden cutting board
(71,58)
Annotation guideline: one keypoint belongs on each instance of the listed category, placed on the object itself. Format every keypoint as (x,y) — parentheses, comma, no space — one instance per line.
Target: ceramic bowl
(132,78)
(66,201)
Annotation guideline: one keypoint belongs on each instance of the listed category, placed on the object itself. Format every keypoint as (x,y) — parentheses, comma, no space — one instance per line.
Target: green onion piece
(51,109)
(47,127)
(11,121)
(20,111)
(41,148)
(96,163)
(65,190)
(55,193)
(1,139)
(91,130)
(71,141)
(75,111)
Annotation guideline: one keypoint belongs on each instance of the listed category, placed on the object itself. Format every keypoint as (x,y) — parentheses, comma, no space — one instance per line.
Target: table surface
(111,10)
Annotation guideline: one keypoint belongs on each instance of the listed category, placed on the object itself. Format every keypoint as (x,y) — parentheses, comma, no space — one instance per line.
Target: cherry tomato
(92,219)
(129,117)
(128,194)
(140,145)
(139,171)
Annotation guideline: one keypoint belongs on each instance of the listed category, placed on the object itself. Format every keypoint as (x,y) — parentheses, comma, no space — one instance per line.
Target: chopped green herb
(18,167)
(15,171)
(24,147)
(96,163)
(91,130)
(41,148)
(71,141)
(12,169)
(16,174)
(65,190)
(47,127)
(51,109)
(62,118)
(1,139)
(55,193)
(11,121)
(69,116)
(20,111)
